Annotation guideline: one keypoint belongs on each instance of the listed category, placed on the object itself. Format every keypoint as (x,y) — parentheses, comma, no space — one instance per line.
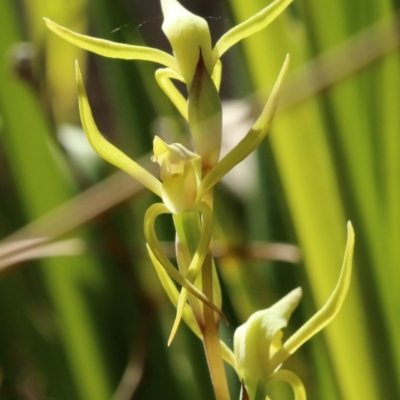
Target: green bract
(187,34)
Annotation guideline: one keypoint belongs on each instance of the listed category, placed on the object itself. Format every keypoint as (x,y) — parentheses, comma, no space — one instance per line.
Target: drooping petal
(249,27)
(105,149)
(250,141)
(111,49)
(187,34)
(154,247)
(163,78)
(256,339)
(187,314)
(196,263)
(327,312)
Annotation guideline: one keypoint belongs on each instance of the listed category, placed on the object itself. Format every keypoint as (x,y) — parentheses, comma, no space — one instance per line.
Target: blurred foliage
(87,319)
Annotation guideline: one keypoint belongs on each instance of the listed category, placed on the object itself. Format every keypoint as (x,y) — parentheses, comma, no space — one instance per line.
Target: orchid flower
(258,349)
(189,35)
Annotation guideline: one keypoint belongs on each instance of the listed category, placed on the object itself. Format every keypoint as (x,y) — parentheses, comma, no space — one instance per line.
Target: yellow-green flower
(178,163)
(258,349)
(188,34)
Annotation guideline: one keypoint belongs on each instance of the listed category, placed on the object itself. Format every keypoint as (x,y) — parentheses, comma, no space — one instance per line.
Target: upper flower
(182,184)
(188,34)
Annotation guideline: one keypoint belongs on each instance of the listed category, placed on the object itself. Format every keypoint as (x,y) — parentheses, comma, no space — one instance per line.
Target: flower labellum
(180,174)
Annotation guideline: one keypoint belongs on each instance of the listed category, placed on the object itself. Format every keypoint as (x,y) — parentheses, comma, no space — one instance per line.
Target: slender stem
(211,337)
(210,329)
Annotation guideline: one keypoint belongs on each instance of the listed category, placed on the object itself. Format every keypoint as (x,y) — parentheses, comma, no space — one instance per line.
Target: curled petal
(163,78)
(293,380)
(110,49)
(249,27)
(250,141)
(105,149)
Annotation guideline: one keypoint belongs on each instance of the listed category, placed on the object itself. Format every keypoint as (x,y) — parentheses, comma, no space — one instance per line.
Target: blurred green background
(82,315)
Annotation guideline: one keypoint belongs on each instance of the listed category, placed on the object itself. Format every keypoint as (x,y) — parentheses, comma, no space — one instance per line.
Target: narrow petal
(217,74)
(163,78)
(105,149)
(249,27)
(196,263)
(111,49)
(250,141)
(154,245)
(187,314)
(327,312)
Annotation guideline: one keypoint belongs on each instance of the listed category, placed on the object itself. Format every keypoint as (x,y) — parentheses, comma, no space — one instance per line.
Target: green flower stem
(188,228)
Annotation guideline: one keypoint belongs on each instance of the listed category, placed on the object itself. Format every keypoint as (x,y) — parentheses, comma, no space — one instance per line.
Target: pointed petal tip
(350,228)
(174,330)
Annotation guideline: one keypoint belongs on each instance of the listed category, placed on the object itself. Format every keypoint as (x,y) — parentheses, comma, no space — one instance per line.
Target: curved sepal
(111,49)
(250,141)
(325,315)
(249,27)
(105,149)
